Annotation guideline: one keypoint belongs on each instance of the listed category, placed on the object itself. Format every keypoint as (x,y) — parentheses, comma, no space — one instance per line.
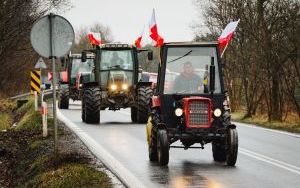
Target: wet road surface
(266,158)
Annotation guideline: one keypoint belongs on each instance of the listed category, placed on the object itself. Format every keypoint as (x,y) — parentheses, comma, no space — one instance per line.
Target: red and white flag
(138,41)
(95,38)
(227,35)
(159,41)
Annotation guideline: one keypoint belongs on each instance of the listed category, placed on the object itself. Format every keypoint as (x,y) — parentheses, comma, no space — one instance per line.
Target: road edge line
(266,129)
(266,160)
(108,160)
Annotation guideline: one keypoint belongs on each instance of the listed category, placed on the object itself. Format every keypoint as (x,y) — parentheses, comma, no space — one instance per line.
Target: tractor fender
(161,126)
(90,84)
(149,127)
(231,126)
(140,84)
(155,101)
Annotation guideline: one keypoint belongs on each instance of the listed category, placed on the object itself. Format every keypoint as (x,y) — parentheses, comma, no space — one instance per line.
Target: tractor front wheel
(232,147)
(162,147)
(219,152)
(91,99)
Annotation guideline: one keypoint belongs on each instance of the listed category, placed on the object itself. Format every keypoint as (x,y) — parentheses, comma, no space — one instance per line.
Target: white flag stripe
(230,28)
(152,21)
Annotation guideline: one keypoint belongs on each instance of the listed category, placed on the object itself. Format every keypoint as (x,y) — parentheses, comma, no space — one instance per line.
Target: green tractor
(75,73)
(119,83)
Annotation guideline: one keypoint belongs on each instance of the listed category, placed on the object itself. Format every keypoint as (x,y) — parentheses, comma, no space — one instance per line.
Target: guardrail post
(35,101)
(44,117)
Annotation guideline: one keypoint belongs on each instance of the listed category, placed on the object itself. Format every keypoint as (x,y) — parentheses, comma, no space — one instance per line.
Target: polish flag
(159,41)
(95,38)
(138,41)
(227,35)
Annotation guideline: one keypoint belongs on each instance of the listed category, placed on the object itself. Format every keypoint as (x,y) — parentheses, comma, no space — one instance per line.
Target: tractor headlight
(178,112)
(124,86)
(217,112)
(113,87)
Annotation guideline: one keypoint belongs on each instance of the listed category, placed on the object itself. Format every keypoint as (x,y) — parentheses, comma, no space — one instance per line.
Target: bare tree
(82,41)
(262,58)
(17,57)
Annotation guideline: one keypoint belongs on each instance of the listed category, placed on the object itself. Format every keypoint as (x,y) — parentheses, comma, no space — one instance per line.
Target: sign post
(52,36)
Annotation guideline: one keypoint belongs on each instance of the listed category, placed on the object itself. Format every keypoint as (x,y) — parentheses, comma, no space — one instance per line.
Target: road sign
(52,37)
(40,64)
(52,28)
(35,82)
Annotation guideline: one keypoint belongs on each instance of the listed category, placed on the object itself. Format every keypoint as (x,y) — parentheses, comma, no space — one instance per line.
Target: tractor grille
(199,113)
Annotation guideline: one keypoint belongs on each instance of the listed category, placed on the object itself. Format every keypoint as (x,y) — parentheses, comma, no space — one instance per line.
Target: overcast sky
(126,18)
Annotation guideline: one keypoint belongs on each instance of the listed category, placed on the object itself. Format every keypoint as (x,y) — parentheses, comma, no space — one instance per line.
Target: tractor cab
(189,104)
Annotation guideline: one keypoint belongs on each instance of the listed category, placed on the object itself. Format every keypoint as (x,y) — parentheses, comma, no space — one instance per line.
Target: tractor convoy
(185,102)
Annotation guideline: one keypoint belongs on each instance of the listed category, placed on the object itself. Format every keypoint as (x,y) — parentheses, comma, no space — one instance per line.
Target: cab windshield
(116,64)
(78,66)
(116,59)
(187,70)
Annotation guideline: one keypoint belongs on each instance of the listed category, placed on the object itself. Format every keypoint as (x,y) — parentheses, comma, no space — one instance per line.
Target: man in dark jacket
(187,81)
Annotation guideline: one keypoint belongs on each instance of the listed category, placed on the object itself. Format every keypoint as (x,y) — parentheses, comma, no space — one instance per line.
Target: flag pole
(224,49)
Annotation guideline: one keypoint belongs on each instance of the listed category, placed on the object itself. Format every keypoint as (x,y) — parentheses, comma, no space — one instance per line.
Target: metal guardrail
(46,92)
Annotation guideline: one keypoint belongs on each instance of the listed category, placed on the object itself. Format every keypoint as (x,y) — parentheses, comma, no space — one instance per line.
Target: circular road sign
(53,27)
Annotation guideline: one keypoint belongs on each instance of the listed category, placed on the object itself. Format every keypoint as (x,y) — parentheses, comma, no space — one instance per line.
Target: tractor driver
(116,60)
(187,81)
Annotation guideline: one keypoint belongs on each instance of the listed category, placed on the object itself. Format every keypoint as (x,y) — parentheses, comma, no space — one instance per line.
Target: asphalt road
(266,158)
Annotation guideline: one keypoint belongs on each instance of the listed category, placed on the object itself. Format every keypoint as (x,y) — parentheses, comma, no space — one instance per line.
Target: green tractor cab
(117,84)
(190,104)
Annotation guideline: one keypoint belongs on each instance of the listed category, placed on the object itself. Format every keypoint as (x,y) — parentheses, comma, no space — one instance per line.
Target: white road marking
(266,129)
(280,164)
(114,165)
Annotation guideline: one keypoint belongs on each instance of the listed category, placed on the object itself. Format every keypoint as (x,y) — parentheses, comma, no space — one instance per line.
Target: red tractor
(194,109)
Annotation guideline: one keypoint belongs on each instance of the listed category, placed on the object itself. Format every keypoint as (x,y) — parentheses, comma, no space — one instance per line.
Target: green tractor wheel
(63,98)
(143,103)
(91,105)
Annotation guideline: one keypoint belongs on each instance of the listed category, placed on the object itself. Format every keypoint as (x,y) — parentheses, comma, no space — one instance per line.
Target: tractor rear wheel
(144,96)
(91,100)
(63,99)
(162,147)
(232,147)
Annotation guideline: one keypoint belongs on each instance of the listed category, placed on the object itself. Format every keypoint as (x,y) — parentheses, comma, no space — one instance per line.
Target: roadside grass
(5,121)
(31,120)
(30,159)
(291,122)
(71,175)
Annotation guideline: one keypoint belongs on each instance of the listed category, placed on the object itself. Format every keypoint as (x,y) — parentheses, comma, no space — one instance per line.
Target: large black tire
(143,106)
(133,114)
(219,152)
(232,147)
(82,108)
(162,147)
(63,98)
(91,100)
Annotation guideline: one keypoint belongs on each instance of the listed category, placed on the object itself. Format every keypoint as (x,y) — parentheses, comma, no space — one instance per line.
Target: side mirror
(150,55)
(83,56)
(212,72)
